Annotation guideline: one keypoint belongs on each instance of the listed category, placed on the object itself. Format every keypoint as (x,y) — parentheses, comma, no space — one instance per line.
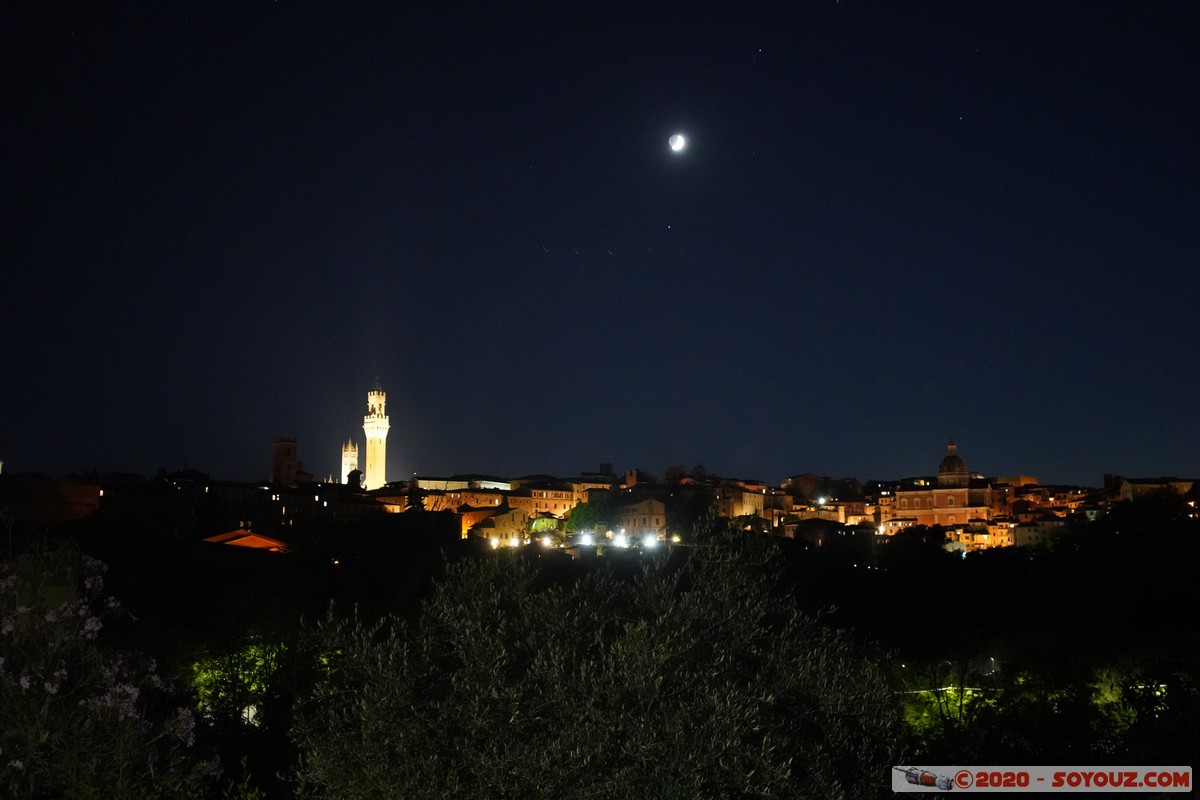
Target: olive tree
(693,678)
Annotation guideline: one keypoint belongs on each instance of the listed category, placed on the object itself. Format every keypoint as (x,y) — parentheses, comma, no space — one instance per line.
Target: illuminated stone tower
(349,460)
(375,424)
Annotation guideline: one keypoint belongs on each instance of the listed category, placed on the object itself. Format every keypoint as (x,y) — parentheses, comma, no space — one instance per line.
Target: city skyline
(890,227)
(347,460)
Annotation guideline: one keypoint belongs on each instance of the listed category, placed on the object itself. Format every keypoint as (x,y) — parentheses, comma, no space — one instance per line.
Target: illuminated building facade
(645,517)
(957,499)
(375,425)
(733,500)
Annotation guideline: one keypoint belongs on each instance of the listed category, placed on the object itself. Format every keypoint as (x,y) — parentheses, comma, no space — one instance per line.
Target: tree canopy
(692,678)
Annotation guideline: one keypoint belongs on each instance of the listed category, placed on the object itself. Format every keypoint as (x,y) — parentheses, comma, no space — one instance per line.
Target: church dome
(953,470)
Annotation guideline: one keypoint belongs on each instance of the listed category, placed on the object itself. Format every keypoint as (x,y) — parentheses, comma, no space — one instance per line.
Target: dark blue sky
(896,223)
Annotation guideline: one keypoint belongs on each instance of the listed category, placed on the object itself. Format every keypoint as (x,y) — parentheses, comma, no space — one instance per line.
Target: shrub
(78,720)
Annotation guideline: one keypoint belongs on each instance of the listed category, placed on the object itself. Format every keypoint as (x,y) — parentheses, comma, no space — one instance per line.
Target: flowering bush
(78,720)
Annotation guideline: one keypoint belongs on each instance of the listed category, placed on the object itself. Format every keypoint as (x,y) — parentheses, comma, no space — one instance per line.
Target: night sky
(894,224)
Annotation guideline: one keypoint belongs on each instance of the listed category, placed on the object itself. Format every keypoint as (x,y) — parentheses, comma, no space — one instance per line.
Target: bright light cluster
(619,539)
